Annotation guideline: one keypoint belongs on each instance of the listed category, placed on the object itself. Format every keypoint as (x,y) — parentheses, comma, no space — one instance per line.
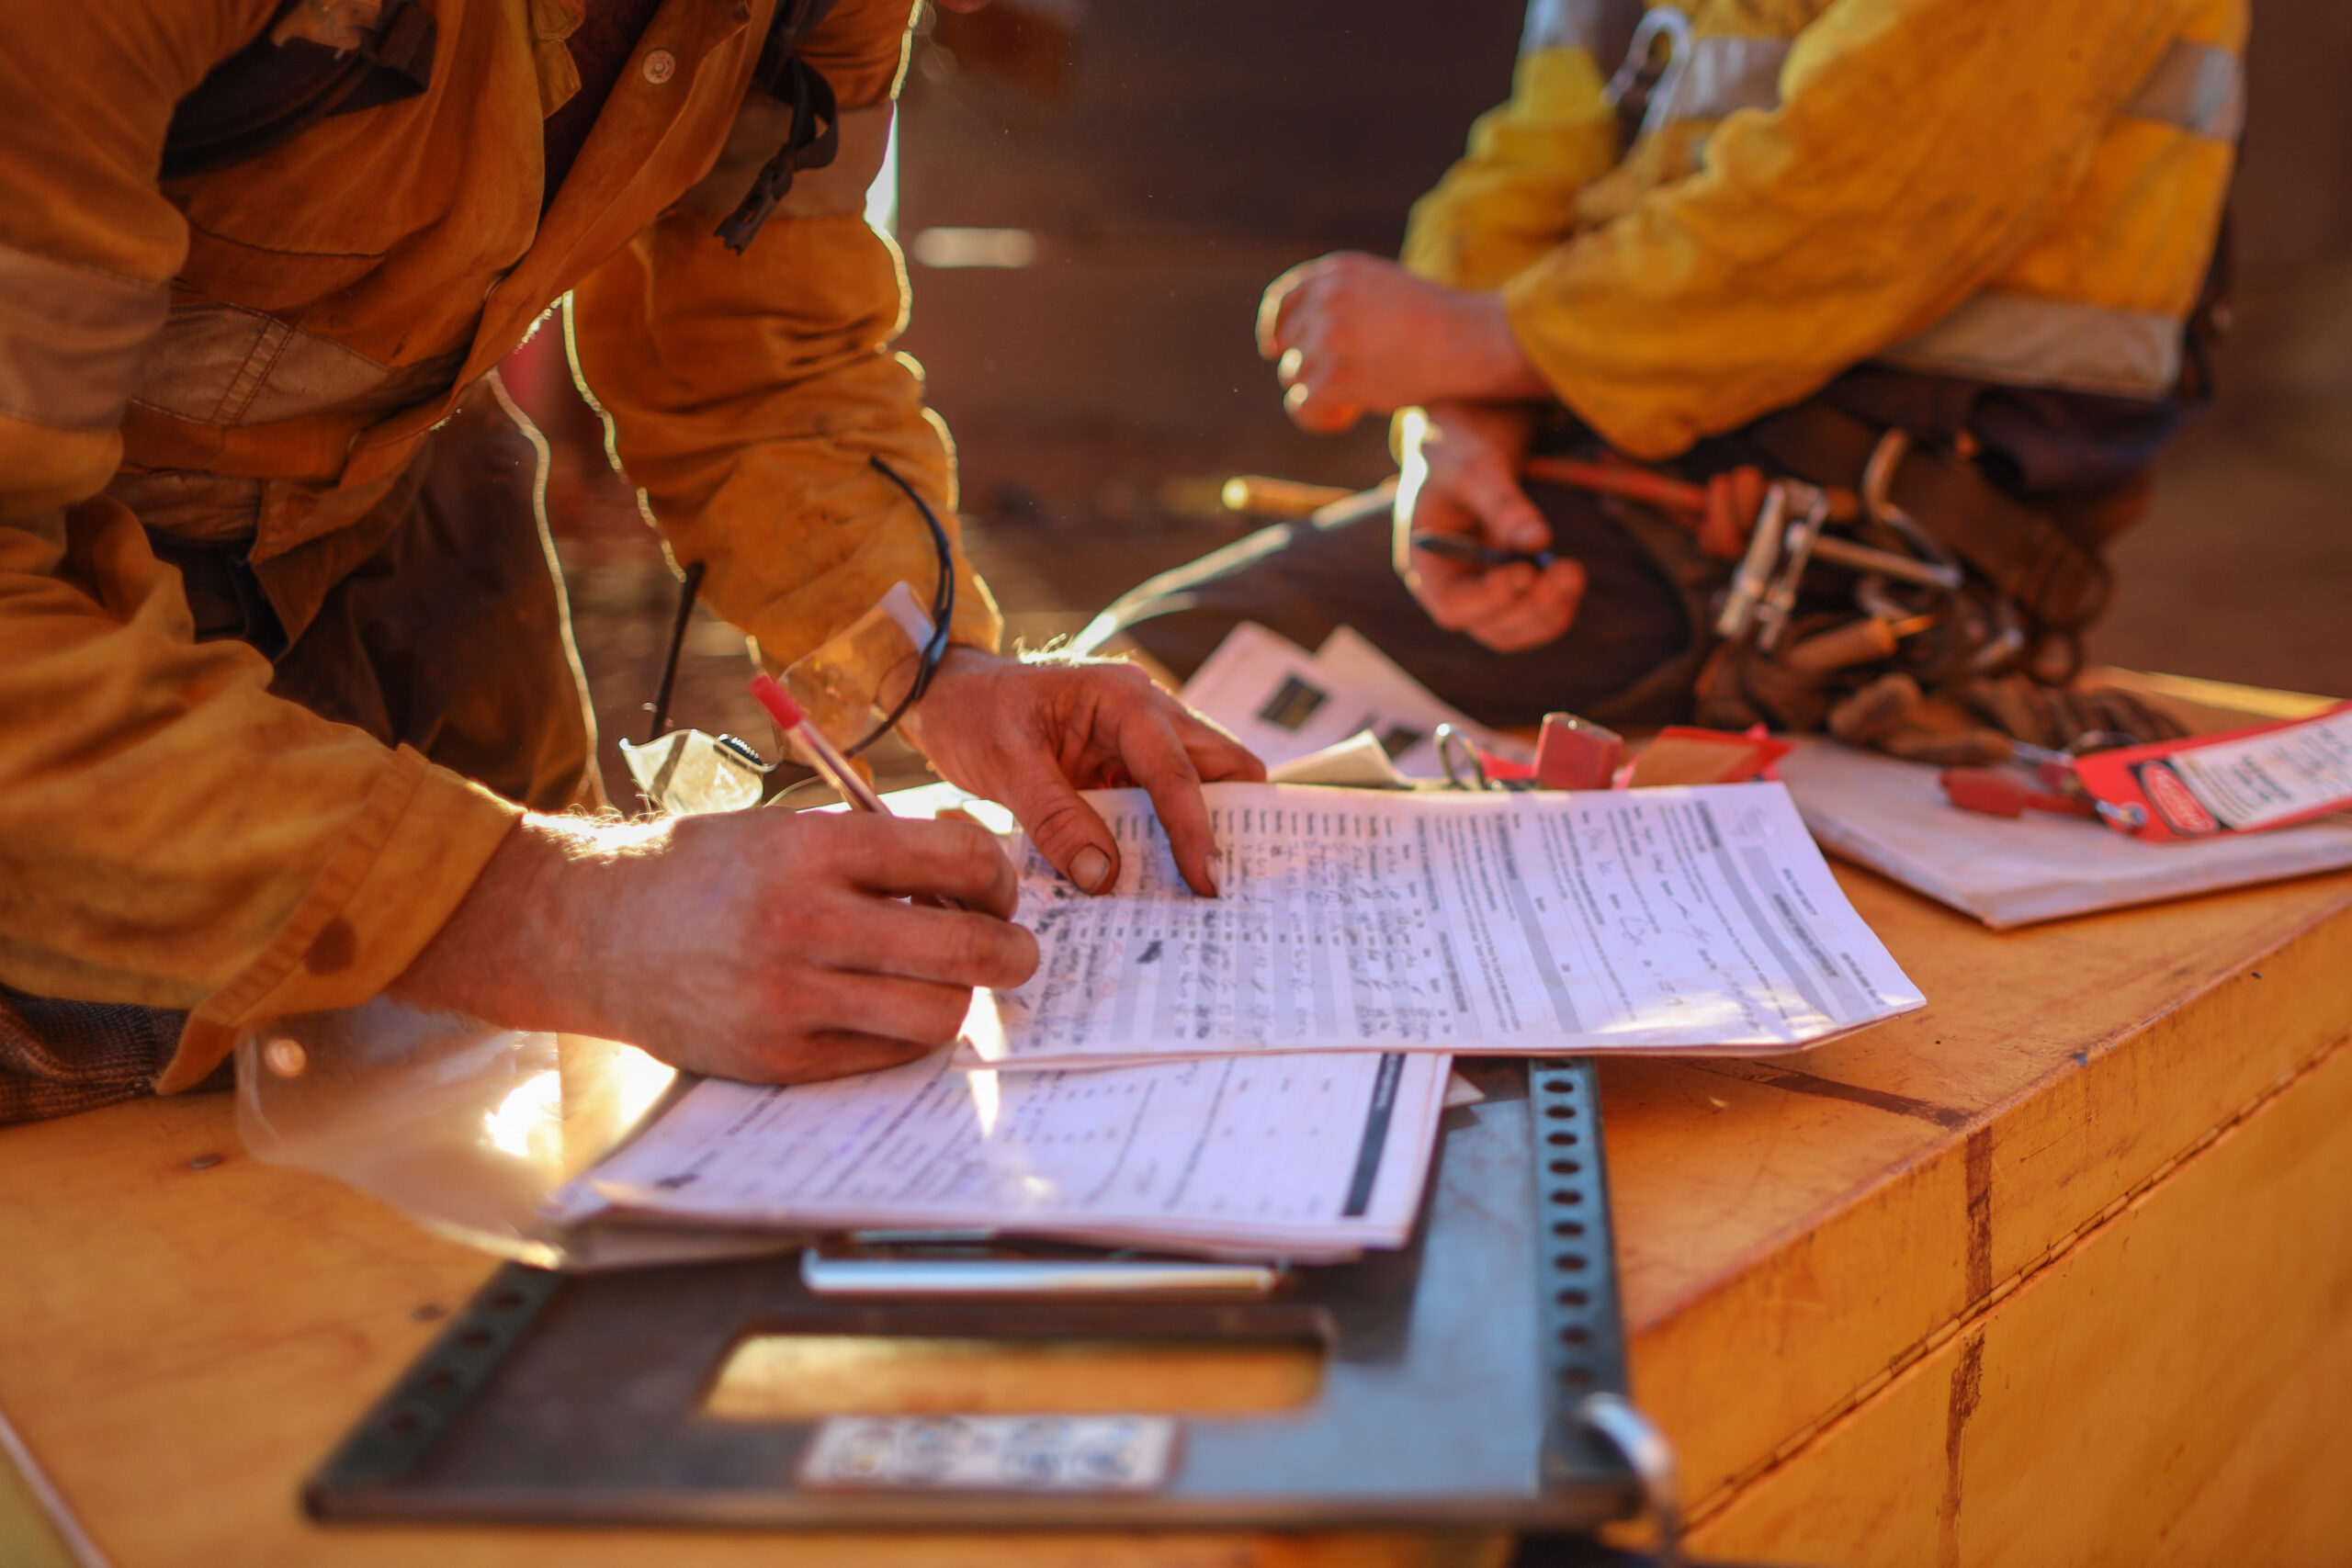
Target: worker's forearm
(518,949)
(1493,369)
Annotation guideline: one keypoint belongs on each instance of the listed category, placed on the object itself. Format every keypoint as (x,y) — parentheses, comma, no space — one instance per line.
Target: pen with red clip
(839,771)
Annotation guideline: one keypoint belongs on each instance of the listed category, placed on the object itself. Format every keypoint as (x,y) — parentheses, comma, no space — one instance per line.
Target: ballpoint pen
(838,770)
(1454,547)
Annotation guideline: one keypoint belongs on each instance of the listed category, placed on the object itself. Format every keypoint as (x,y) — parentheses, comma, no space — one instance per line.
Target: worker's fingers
(1461,596)
(1066,831)
(1278,304)
(1217,757)
(1539,615)
(1507,519)
(890,1006)
(1733,499)
(903,857)
(1157,758)
(819,1054)
(1322,412)
(926,944)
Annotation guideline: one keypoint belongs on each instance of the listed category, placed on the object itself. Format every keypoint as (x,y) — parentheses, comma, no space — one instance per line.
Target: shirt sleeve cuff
(422,837)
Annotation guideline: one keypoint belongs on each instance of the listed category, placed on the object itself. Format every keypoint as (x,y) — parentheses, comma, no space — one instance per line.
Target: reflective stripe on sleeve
(228,365)
(2196,86)
(1588,24)
(70,339)
(1726,74)
(2024,341)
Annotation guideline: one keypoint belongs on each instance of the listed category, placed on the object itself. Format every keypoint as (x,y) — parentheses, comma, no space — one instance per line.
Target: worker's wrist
(1495,368)
(524,949)
(960,660)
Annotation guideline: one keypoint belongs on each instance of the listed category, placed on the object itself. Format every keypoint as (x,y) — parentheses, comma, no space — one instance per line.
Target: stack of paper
(1307,1158)
(1682,920)
(1891,817)
(1285,702)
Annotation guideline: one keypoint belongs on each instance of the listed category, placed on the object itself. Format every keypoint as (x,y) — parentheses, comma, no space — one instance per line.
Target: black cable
(943,609)
(943,616)
(661,704)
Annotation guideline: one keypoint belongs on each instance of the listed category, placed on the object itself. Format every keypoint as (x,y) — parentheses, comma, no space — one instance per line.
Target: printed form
(1306,1156)
(2273,777)
(1667,921)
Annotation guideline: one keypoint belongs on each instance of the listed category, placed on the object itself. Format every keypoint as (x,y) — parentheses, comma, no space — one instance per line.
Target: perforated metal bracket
(409,1419)
(1583,1351)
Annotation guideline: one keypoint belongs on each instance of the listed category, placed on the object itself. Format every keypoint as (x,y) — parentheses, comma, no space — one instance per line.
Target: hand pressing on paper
(1461,476)
(1031,735)
(768,946)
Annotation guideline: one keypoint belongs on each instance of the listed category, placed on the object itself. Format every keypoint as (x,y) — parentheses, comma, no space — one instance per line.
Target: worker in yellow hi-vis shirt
(1958,254)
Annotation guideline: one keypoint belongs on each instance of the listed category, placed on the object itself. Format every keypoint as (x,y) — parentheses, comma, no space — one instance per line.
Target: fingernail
(1531,536)
(1090,868)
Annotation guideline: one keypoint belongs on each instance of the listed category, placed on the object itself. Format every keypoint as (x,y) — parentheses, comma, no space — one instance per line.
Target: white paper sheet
(1891,817)
(1285,702)
(1660,921)
(1301,1157)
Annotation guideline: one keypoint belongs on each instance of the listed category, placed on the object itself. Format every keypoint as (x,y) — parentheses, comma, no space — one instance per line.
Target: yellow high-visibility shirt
(2021,191)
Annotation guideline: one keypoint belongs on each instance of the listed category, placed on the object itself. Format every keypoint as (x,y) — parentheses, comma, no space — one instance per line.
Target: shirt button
(660,66)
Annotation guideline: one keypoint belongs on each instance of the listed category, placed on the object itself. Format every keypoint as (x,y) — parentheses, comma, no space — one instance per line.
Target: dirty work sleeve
(170,834)
(1918,146)
(745,393)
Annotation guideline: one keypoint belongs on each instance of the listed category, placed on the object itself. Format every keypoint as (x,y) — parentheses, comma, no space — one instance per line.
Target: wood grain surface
(1807,1244)
(2170,1389)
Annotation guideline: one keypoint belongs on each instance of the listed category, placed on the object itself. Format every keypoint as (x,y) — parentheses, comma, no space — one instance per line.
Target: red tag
(1682,755)
(2242,781)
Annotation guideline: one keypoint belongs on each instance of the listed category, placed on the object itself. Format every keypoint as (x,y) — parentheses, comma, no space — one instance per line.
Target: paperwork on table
(1285,702)
(1661,920)
(1309,1157)
(1891,817)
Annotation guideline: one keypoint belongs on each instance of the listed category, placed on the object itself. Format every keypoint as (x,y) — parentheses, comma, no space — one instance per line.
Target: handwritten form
(1677,921)
(1306,1156)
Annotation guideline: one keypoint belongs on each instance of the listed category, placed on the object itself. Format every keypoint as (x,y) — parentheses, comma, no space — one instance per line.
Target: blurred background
(1093,196)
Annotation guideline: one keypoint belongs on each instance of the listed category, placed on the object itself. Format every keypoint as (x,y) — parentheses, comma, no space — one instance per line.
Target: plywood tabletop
(1795,1230)
(181,1341)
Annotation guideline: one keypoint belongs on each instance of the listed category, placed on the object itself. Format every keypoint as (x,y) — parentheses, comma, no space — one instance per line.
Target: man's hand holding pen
(775,946)
(1460,481)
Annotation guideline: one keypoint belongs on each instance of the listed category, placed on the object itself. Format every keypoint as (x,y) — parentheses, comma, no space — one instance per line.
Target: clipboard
(1477,1376)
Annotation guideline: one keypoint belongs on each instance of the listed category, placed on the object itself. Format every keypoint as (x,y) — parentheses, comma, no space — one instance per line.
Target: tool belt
(1891,594)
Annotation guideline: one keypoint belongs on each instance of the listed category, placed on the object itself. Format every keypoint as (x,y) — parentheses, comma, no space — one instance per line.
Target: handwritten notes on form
(1310,1156)
(1666,919)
